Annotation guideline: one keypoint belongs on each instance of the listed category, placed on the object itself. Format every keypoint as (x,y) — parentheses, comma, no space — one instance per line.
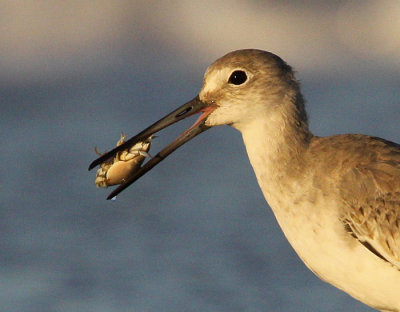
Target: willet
(337,199)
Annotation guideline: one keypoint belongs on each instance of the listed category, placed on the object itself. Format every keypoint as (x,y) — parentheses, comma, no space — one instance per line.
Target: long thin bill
(192,107)
(186,110)
(189,134)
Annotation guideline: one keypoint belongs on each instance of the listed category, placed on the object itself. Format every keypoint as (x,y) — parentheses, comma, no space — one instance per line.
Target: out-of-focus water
(194,234)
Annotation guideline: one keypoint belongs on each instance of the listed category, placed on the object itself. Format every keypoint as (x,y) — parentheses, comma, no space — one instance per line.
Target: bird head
(237,88)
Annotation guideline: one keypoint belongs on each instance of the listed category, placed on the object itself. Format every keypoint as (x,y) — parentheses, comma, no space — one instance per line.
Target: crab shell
(115,171)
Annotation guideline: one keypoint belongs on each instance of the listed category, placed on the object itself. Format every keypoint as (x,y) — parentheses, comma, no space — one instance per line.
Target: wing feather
(371,192)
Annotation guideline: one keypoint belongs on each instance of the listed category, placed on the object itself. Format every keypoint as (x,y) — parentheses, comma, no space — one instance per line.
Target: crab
(115,170)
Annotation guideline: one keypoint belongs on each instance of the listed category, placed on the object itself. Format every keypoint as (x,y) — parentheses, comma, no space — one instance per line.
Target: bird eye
(238,77)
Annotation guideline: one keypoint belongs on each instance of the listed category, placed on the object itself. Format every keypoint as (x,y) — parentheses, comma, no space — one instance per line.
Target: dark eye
(237,77)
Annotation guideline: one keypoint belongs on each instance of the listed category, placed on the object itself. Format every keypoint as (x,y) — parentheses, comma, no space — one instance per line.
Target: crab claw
(115,170)
(192,107)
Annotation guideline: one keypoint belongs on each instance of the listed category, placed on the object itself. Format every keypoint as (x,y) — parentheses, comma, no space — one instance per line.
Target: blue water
(195,234)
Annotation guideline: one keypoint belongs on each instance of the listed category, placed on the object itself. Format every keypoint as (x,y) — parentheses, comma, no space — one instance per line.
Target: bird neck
(276,144)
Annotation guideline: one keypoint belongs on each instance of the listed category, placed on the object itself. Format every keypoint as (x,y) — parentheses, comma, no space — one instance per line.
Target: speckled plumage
(337,199)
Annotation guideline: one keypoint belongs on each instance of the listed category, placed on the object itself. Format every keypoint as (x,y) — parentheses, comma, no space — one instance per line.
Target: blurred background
(195,234)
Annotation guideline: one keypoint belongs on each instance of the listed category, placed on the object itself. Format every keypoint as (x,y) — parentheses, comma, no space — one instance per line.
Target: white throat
(274,144)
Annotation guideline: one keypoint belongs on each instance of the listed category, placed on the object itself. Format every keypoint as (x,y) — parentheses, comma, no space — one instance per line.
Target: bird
(336,198)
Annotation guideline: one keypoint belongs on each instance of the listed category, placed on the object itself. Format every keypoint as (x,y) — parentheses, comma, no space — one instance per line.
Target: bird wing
(371,192)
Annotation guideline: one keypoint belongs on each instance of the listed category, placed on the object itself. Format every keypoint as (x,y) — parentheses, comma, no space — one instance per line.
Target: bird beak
(190,108)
